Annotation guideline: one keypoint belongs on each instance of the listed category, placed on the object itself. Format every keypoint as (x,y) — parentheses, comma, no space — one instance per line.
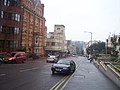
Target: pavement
(88,77)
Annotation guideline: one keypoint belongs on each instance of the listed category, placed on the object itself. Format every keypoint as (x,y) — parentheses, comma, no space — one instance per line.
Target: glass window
(1,43)
(9,16)
(18,18)
(0,28)
(13,16)
(16,30)
(5,2)
(1,14)
(53,43)
(8,3)
(15,44)
(58,28)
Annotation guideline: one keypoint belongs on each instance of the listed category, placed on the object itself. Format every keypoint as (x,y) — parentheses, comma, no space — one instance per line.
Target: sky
(101,17)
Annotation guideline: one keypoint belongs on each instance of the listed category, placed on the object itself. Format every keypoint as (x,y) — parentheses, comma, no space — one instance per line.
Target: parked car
(1,60)
(2,55)
(64,66)
(16,57)
(52,58)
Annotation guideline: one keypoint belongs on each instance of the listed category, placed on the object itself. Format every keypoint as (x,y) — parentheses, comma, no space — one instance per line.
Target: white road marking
(29,69)
(2,75)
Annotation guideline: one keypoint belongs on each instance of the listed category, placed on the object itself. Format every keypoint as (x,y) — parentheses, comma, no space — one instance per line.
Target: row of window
(10,2)
(9,30)
(53,44)
(10,16)
(8,44)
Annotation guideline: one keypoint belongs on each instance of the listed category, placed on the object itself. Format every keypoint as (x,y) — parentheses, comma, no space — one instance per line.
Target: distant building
(56,41)
(110,44)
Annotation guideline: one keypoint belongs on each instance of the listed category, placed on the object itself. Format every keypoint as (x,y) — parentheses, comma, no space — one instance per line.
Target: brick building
(10,25)
(22,25)
(33,34)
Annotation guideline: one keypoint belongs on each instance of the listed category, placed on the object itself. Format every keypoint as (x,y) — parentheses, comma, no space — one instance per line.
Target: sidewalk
(88,77)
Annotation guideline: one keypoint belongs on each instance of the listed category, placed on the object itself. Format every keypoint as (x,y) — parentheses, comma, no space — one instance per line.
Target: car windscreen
(13,54)
(4,54)
(67,62)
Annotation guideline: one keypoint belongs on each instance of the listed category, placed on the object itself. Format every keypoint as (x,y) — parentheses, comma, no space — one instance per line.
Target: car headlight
(10,58)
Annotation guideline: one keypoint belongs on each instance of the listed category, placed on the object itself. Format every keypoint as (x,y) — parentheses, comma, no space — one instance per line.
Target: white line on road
(29,69)
(2,75)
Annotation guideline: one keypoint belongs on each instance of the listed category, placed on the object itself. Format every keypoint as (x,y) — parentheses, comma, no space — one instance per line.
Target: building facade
(109,43)
(22,25)
(33,33)
(56,41)
(10,25)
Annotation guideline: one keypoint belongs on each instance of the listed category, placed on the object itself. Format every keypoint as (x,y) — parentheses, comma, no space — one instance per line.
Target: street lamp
(90,40)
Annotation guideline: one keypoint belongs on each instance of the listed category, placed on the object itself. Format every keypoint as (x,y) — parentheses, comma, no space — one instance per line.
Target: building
(71,47)
(109,43)
(33,34)
(22,26)
(10,25)
(56,41)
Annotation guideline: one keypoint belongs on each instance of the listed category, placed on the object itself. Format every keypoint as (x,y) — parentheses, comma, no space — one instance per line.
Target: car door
(18,57)
(72,65)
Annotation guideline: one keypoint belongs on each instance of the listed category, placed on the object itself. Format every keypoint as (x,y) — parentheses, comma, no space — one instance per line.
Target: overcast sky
(101,17)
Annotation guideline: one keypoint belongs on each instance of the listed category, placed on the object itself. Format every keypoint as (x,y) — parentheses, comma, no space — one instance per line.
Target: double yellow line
(58,84)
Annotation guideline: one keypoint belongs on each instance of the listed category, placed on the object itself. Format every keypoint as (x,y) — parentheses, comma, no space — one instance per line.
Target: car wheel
(23,61)
(53,72)
(13,61)
(0,62)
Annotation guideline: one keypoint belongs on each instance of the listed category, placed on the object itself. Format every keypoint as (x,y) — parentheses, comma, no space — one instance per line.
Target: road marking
(2,75)
(29,69)
(70,77)
(61,83)
(58,84)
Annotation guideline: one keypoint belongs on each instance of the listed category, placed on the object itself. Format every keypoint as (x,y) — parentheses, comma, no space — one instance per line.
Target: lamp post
(90,40)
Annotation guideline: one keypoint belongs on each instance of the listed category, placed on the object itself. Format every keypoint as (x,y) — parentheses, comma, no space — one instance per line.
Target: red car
(16,57)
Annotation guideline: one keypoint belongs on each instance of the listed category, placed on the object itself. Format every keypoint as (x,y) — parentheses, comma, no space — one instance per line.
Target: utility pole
(90,40)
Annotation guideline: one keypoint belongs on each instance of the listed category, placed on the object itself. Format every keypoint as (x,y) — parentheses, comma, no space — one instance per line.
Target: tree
(114,43)
(97,48)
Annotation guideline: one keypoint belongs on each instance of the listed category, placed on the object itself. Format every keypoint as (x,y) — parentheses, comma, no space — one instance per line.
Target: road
(32,75)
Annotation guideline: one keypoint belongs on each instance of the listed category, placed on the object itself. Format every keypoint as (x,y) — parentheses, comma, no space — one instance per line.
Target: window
(15,44)
(0,28)
(58,28)
(18,18)
(5,2)
(1,14)
(16,30)
(53,43)
(1,43)
(36,40)
(13,16)
(39,13)
(8,3)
